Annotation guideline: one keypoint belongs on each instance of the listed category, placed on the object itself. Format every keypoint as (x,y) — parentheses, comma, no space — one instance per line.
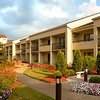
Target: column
(96,41)
(26,57)
(69,48)
(8,53)
(13,50)
(20,52)
(51,50)
(39,60)
(30,53)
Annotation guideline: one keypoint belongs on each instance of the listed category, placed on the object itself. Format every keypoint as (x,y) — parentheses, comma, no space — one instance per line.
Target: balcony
(56,46)
(10,51)
(84,44)
(98,42)
(23,51)
(34,48)
(45,47)
(83,40)
(18,51)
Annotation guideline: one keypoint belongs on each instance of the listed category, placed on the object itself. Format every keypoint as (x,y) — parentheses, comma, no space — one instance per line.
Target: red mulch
(52,80)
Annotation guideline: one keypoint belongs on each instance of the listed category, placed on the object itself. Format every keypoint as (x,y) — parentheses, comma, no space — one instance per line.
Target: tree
(98,63)
(89,62)
(77,61)
(61,64)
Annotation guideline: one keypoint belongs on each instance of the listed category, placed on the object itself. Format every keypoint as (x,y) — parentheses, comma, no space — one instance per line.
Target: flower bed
(87,88)
(48,67)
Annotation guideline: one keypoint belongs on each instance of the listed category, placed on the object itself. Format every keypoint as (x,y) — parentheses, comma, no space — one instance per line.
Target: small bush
(69,72)
(89,62)
(94,79)
(57,74)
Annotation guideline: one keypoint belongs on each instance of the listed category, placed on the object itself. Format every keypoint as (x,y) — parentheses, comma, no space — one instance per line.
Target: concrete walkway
(49,89)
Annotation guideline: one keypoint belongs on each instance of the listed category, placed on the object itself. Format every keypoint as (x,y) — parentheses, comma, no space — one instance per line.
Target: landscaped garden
(92,86)
(47,73)
(13,89)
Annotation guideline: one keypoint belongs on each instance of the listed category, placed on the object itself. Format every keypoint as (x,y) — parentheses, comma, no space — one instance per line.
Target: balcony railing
(34,48)
(83,40)
(23,51)
(45,44)
(10,51)
(58,46)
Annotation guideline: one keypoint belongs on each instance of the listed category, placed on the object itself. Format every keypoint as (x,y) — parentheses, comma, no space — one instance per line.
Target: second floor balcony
(34,48)
(58,46)
(98,42)
(83,40)
(23,51)
(84,44)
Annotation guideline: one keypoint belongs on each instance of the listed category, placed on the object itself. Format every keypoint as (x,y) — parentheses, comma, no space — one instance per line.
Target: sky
(20,18)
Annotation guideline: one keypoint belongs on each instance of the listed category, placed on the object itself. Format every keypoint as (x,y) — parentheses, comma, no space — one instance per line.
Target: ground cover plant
(95,79)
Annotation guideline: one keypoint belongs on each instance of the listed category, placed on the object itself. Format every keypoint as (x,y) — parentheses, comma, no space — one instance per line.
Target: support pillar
(30,53)
(69,48)
(13,50)
(96,41)
(50,50)
(39,51)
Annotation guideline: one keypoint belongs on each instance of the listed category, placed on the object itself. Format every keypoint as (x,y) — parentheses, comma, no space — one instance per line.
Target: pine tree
(98,63)
(77,61)
(61,64)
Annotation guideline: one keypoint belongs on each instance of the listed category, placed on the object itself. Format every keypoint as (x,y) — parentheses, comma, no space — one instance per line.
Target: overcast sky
(20,18)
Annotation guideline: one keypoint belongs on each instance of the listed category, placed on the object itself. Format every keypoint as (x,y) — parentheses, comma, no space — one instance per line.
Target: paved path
(49,89)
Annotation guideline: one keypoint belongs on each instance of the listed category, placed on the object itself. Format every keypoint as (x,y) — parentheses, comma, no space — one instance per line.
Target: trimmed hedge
(94,79)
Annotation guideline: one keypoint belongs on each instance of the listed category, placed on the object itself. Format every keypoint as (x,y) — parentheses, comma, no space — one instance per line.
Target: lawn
(25,93)
(40,75)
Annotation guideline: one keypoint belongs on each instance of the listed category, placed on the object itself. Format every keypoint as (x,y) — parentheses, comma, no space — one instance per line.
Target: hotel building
(82,34)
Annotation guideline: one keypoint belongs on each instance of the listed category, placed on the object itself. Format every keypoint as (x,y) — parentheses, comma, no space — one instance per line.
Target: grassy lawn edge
(25,93)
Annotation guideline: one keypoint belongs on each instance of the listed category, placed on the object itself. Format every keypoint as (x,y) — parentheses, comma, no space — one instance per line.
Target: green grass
(34,75)
(38,74)
(26,93)
(45,72)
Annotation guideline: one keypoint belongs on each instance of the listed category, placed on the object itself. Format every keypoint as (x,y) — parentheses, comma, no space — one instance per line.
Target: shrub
(61,64)
(89,62)
(94,79)
(98,63)
(5,83)
(57,73)
(69,72)
(77,61)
